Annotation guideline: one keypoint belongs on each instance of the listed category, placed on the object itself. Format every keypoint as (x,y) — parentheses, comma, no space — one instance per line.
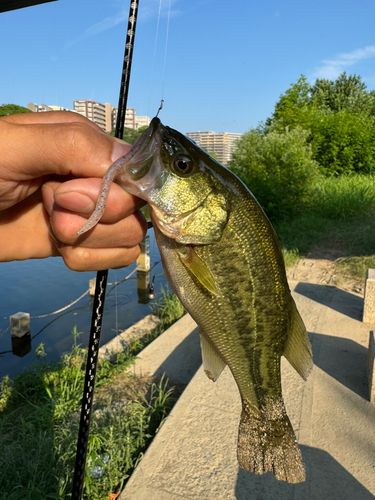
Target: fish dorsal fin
(196,266)
(213,363)
(298,348)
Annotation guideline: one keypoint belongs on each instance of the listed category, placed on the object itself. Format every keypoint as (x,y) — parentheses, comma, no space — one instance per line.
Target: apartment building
(94,111)
(220,144)
(39,108)
(104,115)
(142,121)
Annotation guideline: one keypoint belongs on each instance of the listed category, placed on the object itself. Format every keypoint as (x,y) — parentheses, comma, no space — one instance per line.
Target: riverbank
(39,417)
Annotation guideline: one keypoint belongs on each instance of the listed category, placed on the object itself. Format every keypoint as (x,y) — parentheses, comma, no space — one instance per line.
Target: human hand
(51,166)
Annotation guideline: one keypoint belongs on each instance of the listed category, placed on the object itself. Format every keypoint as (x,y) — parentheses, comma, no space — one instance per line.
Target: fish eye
(182,165)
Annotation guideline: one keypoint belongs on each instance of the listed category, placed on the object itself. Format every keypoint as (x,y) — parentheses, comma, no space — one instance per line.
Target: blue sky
(226,64)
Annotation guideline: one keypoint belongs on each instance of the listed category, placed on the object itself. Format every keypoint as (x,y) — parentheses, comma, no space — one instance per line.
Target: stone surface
(194,454)
(370,367)
(120,342)
(369,304)
(175,353)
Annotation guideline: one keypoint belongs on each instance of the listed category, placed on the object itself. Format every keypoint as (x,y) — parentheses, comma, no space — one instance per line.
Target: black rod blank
(101,283)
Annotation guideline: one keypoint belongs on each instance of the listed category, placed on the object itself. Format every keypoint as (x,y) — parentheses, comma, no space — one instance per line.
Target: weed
(39,419)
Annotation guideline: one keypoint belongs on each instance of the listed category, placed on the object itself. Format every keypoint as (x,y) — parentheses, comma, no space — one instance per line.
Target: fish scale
(222,258)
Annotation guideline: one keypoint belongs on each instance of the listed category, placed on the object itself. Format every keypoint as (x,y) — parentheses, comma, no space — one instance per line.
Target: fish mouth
(144,150)
(144,170)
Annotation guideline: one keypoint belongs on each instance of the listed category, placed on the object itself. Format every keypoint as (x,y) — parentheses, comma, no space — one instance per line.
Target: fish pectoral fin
(213,363)
(198,268)
(298,348)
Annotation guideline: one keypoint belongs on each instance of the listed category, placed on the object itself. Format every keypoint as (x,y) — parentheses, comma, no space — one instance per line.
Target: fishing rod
(101,282)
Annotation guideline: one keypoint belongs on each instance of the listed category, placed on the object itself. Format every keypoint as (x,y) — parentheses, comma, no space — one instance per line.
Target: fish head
(175,177)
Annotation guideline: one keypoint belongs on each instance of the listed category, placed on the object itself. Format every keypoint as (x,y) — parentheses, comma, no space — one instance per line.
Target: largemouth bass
(223,260)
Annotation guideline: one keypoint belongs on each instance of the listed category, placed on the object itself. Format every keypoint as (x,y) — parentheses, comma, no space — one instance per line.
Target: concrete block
(19,324)
(92,285)
(143,261)
(370,367)
(369,303)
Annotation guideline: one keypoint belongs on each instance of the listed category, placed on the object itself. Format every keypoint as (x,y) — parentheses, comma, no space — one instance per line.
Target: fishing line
(165,54)
(101,283)
(154,58)
(165,57)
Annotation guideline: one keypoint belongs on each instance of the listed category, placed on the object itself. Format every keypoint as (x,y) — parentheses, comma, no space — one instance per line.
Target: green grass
(355,267)
(338,221)
(39,418)
(345,197)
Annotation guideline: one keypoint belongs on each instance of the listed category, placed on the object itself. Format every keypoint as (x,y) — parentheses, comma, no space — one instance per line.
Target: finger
(80,196)
(126,233)
(75,148)
(50,117)
(92,259)
(24,231)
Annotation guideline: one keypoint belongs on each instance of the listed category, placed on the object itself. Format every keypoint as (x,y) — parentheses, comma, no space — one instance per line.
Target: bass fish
(223,260)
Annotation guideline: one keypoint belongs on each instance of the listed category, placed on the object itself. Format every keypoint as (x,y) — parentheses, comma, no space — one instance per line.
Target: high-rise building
(142,121)
(39,108)
(220,144)
(130,118)
(94,111)
(104,115)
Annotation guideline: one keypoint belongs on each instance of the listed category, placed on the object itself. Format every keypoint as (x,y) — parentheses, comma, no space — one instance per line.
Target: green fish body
(223,260)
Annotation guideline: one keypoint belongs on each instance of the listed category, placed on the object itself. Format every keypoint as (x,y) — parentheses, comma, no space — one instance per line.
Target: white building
(142,121)
(220,144)
(94,111)
(40,108)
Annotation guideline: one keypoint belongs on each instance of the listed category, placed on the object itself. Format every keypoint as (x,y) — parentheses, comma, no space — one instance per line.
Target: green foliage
(294,108)
(39,419)
(356,266)
(169,309)
(338,217)
(277,168)
(12,109)
(344,197)
(130,135)
(346,93)
(340,118)
(344,142)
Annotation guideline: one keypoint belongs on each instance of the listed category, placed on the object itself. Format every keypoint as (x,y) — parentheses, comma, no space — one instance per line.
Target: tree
(12,109)
(277,167)
(339,116)
(130,135)
(347,93)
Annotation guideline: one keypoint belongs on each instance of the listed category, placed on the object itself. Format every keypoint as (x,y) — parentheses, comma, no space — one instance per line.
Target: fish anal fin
(213,363)
(298,348)
(198,268)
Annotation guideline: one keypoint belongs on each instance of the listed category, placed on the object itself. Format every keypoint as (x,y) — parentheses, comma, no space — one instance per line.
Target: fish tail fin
(267,443)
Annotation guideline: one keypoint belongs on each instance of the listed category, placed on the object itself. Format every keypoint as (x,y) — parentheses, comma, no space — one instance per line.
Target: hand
(51,166)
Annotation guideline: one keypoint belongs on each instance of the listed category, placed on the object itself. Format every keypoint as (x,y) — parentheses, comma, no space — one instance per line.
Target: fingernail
(120,148)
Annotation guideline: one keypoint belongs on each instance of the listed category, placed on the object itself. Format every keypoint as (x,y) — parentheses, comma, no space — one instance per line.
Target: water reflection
(143,286)
(42,286)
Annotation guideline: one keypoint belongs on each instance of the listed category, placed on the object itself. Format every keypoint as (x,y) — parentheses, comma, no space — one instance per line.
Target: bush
(344,143)
(278,169)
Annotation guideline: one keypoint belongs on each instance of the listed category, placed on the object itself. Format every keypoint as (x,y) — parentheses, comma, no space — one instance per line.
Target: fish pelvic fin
(267,443)
(213,363)
(298,348)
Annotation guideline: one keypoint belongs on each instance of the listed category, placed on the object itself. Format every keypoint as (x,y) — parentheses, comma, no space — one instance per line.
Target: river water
(40,287)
